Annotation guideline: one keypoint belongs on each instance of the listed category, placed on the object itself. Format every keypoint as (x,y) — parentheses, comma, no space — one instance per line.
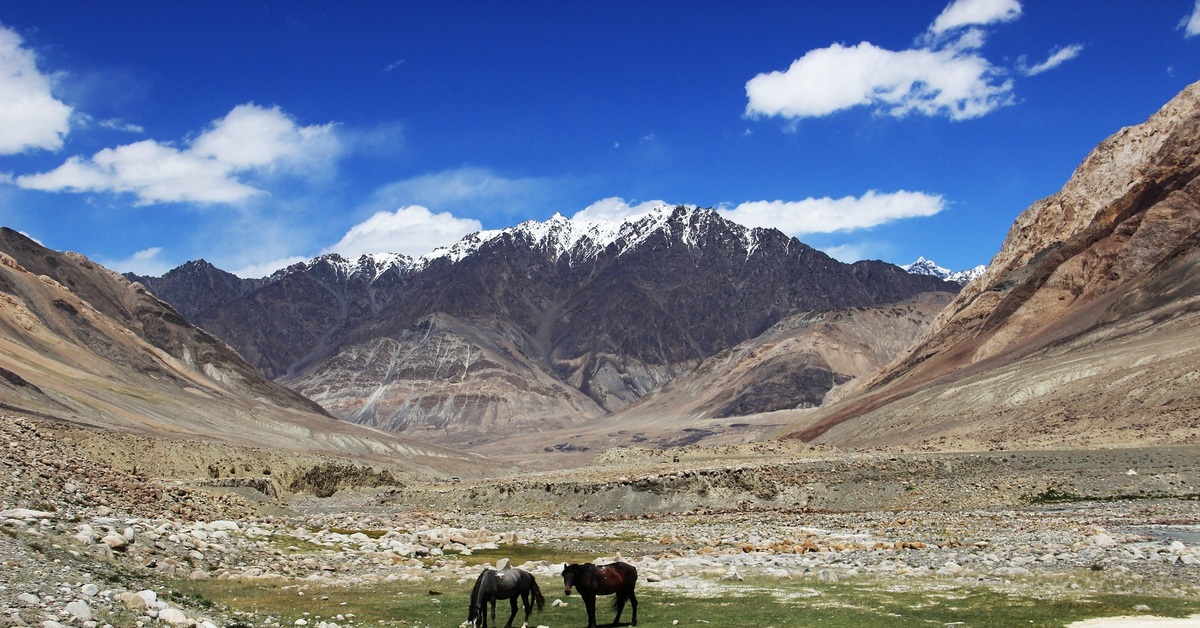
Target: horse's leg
(512,603)
(493,603)
(589,602)
(619,604)
(633,603)
(528,604)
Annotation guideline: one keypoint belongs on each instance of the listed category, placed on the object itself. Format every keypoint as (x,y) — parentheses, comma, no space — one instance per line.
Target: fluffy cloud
(1056,58)
(950,81)
(828,215)
(943,74)
(412,230)
(1191,23)
(249,141)
(30,116)
(614,208)
(975,12)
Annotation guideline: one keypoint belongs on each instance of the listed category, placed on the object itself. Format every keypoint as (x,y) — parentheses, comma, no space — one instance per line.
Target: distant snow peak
(369,266)
(580,239)
(927,267)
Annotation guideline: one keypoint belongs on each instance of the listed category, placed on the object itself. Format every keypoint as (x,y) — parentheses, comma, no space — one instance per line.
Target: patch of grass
(519,554)
(371,534)
(755,603)
(1055,496)
(295,545)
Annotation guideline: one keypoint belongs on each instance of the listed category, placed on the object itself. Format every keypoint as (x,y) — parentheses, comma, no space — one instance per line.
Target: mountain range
(672,327)
(545,324)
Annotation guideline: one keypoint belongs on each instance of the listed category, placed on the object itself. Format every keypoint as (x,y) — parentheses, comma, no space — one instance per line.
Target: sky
(256,134)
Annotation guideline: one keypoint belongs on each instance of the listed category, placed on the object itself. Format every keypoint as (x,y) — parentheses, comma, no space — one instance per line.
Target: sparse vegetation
(751,603)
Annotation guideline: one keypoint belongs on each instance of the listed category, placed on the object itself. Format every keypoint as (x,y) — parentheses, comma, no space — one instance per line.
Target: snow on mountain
(583,239)
(370,266)
(927,267)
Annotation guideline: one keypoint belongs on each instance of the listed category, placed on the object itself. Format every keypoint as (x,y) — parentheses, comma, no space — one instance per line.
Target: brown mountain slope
(81,343)
(1082,328)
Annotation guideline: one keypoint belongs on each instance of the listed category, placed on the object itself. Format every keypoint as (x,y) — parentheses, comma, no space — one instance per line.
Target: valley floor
(86,545)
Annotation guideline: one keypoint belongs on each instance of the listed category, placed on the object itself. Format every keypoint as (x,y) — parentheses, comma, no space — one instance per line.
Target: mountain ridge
(600,313)
(1081,323)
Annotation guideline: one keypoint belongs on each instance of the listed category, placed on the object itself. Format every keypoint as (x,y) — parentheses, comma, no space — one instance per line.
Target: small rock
(131,600)
(79,610)
(172,616)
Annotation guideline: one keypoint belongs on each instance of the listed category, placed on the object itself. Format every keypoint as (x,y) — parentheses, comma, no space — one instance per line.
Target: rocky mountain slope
(81,343)
(542,325)
(1082,330)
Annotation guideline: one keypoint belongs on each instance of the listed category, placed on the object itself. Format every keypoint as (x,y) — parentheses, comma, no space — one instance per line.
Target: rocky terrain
(1082,330)
(85,544)
(81,343)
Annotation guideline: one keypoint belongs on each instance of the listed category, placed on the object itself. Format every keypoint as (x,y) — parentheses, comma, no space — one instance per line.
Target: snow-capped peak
(927,267)
(369,266)
(581,238)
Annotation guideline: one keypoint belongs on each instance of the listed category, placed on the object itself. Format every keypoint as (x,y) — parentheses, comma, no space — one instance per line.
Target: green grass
(520,554)
(758,603)
(289,544)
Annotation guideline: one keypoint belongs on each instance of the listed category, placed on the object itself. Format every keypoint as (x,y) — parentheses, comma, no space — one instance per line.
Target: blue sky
(255,134)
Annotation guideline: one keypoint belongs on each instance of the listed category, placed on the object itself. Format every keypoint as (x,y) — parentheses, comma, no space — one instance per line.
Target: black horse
(507,584)
(592,580)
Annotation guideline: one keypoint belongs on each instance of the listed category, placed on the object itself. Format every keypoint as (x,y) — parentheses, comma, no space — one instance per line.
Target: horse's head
(570,572)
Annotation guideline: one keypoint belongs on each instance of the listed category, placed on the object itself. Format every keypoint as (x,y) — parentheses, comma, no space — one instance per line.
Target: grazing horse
(506,584)
(592,580)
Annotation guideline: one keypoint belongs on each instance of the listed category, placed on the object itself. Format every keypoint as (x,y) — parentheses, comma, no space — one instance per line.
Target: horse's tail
(536,591)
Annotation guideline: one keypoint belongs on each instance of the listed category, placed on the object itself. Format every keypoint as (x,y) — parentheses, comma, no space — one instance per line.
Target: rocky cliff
(1082,321)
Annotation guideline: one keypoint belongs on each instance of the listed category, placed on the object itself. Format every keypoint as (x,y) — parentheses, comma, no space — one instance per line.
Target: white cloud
(614,208)
(943,73)
(30,116)
(828,215)
(147,262)
(849,253)
(1191,23)
(975,12)
(266,269)
(952,82)
(1058,57)
(250,140)
(412,230)
(121,125)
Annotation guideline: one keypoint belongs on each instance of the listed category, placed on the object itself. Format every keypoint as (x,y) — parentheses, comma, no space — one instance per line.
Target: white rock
(90,589)
(79,610)
(26,514)
(173,616)
(148,596)
(29,599)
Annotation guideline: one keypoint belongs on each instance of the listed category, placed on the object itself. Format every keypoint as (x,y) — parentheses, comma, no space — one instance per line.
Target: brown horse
(592,580)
